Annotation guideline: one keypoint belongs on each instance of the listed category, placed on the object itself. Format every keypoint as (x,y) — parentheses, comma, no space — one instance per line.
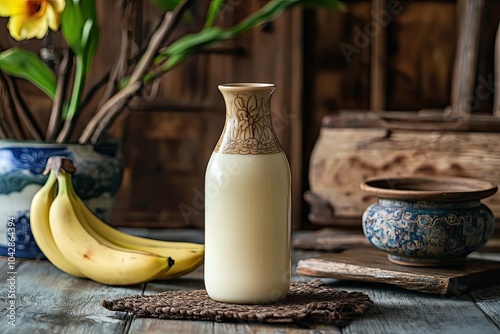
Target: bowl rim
(459,188)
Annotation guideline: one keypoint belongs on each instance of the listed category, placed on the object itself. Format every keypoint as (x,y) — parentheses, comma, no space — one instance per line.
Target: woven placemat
(312,301)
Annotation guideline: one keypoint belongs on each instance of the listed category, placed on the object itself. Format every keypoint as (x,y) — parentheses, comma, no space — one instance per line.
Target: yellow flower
(32,18)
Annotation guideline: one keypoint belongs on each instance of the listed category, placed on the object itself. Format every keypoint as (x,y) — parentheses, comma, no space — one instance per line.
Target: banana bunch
(80,244)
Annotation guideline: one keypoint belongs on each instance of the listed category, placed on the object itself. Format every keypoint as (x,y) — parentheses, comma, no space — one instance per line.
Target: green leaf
(189,41)
(170,5)
(80,29)
(328,4)
(189,44)
(64,111)
(123,82)
(213,11)
(72,22)
(166,5)
(27,65)
(267,13)
(90,41)
(175,60)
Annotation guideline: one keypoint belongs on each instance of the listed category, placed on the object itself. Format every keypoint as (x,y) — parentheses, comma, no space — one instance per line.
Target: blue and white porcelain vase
(97,180)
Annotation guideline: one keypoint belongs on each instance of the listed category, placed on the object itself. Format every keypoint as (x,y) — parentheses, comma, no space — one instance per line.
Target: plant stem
(14,103)
(107,113)
(3,135)
(100,122)
(120,66)
(9,124)
(56,112)
(178,51)
(22,111)
(65,131)
(76,95)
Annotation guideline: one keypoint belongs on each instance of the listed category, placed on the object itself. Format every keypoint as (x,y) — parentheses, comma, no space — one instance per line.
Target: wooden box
(354,146)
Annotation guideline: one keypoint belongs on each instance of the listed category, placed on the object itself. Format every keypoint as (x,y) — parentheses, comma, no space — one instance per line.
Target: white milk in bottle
(247,203)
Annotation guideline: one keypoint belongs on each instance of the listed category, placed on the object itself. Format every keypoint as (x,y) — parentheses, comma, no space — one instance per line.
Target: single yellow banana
(40,227)
(99,262)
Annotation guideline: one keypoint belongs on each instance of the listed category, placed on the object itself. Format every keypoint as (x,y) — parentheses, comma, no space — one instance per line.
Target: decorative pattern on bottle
(248,128)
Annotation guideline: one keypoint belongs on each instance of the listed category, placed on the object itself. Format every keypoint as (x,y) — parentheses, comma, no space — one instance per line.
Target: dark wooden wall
(419,48)
(168,140)
(321,63)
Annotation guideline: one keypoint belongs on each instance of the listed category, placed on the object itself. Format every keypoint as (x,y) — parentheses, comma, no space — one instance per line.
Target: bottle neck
(248,128)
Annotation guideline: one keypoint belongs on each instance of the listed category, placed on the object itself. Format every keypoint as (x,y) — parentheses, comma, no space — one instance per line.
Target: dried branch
(111,78)
(169,22)
(65,131)
(496,65)
(98,85)
(16,111)
(100,122)
(22,111)
(62,80)
(3,134)
(93,90)
(105,79)
(109,111)
(10,128)
(120,66)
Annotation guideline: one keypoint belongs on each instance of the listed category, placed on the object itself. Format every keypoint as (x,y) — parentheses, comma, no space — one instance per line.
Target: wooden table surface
(49,301)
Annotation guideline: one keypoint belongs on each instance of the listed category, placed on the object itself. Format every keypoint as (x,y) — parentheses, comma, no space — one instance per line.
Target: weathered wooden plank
(8,276)
(277,329)
(369,264)
(424,120)
(469,17)
(496,66)
(160,326)
(397,311)
(50,301)
(378,66)
(330,239)
(488,300)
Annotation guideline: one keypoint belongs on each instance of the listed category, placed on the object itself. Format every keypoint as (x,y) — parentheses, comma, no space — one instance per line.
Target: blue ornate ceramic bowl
(98,177)
(428,221)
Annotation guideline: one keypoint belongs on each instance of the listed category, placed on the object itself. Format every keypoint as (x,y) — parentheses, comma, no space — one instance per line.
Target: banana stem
(51,180)
(63,184)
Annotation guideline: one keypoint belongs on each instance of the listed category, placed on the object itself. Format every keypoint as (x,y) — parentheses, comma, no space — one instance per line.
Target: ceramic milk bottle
(247,203)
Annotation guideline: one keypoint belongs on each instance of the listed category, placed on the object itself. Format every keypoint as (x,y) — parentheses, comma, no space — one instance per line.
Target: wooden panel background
(169,135)
(420,47)
(168,138)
